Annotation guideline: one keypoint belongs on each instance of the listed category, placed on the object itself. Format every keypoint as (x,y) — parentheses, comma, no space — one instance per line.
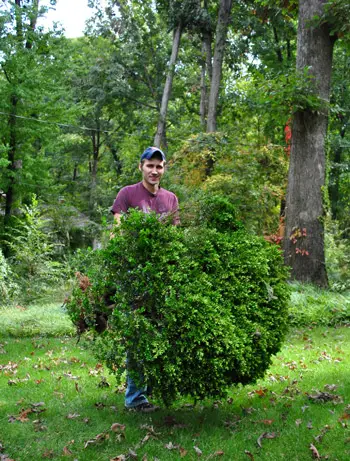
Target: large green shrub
(196,308)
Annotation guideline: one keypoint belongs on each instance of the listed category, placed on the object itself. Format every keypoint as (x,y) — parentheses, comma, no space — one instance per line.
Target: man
(147,196)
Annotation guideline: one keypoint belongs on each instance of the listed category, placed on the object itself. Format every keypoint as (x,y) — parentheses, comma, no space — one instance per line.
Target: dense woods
(236,93)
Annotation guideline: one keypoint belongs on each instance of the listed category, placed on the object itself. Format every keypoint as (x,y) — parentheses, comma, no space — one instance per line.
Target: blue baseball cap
(150,151)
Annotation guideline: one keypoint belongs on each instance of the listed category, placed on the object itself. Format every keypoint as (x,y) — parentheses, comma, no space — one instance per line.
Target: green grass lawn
(58,402)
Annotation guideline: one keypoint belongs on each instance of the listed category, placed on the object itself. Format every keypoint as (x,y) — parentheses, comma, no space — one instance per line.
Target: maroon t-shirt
(163,202)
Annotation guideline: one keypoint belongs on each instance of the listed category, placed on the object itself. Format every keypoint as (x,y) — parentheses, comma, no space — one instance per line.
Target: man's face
(152,171)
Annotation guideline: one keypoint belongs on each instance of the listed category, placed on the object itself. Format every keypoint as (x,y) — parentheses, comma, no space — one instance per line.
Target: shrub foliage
(195,308)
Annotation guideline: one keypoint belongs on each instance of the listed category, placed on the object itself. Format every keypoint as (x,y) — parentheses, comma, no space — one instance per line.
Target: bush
(8,288)
(311,305)
(32,250)
(197,309)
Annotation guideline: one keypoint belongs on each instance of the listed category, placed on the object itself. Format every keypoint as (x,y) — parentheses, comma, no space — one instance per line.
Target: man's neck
(153,189)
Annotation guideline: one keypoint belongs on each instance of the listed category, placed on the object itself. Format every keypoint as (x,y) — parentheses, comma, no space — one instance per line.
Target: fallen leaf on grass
(314,452)
(4,457)
(119,458)
(260,392)
(23,416)
(232,424)
(266,435)
(183,452)
(216,454)
(70,376)
(298,422)
(59,394)
(37,407)
(117,427)
(330,387)
(146,438)
(267,422)
(99,405)
(99,438)
(248,411)
(171,446)
(309,425)
(119,437)
(9,369)
(324,430)
(249,454)
(132,454)
(66,451)
(48,454)
(38,426)
(325,397)
(198,451)
(103,383)
(72,416)
(150,429)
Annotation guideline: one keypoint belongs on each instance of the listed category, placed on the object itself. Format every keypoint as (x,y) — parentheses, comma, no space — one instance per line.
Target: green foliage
(252,178)
(312,306)
(336,16)
(36,319)
(196,308)
(31,254)
(8,287)
(337,257)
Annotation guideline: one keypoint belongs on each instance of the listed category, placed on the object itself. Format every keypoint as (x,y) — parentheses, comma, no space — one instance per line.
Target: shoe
(146,407)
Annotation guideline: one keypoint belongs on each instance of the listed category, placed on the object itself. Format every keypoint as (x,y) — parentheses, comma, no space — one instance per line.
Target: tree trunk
(33,20)
(206,74)
(304,238)
(220,41)
(160,134)
(18,16)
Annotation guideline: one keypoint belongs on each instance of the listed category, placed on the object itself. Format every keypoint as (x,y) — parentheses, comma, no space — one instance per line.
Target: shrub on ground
(31,259)
(311,305)
(195,308)
(8,288)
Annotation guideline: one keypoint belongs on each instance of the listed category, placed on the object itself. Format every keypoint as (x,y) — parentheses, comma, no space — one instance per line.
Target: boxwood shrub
(195,308)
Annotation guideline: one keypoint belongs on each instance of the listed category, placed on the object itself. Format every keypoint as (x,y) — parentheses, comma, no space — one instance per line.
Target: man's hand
(117,218)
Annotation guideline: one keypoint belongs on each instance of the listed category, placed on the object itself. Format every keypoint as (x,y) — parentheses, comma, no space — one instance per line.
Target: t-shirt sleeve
(121,203)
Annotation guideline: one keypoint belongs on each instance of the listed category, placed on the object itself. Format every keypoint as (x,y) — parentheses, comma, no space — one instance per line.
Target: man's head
(152,152)
(152,165)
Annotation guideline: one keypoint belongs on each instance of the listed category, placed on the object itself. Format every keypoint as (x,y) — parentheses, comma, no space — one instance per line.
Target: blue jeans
(134,395)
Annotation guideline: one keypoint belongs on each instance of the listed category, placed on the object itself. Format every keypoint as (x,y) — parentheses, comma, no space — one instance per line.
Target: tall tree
(26,73)
(160,134)
(304,239)
(181,15)
(206,64)
(220,42)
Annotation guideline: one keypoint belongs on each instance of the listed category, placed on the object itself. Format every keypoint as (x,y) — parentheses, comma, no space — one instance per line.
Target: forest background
(216,84)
